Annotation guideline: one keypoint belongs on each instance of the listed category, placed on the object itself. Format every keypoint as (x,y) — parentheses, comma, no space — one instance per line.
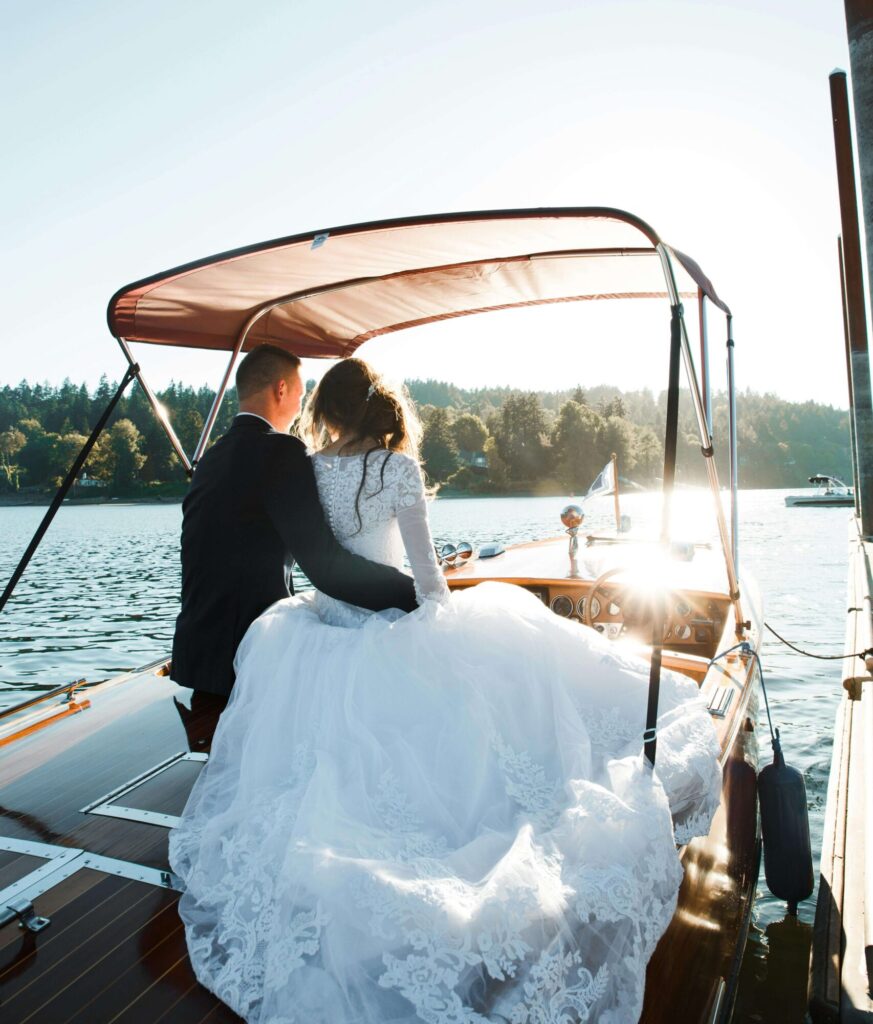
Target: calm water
(101,595)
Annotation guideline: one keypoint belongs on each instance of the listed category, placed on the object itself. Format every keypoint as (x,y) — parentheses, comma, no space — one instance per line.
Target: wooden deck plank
(196,1002)
(118,947)
(152,956)
(66,905)
(220,1014)
(164,995)
(166,793)
(14,866)
(72,970)
(175,997)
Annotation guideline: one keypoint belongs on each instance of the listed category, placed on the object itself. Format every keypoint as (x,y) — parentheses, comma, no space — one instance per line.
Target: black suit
(251,511)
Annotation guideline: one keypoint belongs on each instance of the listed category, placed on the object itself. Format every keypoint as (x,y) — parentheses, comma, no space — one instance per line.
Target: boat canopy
(324,293)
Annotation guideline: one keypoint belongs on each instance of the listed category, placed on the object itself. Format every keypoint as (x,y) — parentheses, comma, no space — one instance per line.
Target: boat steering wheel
(635,614)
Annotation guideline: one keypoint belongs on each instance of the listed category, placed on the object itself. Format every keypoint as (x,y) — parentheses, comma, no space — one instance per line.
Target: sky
(143,135)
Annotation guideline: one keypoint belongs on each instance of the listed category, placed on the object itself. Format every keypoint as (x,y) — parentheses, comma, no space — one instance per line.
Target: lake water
(101,596)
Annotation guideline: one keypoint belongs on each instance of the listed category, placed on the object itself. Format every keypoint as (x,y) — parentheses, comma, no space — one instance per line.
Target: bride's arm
(415,530)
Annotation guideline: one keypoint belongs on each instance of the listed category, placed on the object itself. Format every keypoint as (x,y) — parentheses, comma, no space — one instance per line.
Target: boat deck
(115,949)
(90,788)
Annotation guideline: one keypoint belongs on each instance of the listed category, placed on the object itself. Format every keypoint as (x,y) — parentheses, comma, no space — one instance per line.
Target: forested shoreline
(476,441)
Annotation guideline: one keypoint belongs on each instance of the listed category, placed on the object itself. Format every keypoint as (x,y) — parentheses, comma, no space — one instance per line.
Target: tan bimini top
(324,293)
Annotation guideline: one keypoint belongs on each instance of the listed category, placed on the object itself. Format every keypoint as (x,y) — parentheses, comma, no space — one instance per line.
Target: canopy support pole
(650,736)
(734,464)
(704,360)
(159,411)
(706,444)
(219,394)
(219,398)
(63,490)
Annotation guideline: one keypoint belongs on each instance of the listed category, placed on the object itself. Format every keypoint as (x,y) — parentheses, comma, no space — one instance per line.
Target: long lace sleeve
(412,518)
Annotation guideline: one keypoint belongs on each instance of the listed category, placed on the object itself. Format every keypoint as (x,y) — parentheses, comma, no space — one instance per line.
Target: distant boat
(831,493)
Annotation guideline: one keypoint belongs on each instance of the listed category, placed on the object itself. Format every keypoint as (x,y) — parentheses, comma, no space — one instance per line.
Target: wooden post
(853,442)
(615,490)
(859,29)
(853,276)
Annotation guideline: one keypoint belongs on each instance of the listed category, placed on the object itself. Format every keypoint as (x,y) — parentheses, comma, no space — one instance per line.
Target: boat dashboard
(611,594)
(693,624)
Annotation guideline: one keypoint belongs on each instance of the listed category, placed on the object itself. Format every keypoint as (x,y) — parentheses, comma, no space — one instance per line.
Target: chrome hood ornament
(572,517)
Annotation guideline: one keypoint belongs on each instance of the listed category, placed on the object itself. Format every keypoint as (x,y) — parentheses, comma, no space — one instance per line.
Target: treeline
(487,440)
(558,441)
(43,428)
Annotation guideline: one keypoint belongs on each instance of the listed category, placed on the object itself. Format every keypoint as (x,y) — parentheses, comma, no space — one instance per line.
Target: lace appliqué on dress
(250,947)
(527,784)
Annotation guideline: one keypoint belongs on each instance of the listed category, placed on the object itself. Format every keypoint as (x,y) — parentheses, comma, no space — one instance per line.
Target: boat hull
(793,501)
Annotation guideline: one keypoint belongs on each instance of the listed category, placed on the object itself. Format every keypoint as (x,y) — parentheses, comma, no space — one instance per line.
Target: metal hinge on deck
(22,911)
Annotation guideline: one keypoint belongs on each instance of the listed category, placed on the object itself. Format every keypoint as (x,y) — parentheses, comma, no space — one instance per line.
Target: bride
(441,817)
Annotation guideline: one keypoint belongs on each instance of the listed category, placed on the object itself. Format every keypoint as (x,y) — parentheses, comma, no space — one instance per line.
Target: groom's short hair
(263,366)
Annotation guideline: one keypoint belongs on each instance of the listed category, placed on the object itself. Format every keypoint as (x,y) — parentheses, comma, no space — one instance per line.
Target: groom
(251,512)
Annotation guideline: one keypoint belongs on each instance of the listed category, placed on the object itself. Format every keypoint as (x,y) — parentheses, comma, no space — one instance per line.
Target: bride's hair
(353,400)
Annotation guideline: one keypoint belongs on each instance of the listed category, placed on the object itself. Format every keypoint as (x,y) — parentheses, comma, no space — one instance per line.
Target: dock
(841,974)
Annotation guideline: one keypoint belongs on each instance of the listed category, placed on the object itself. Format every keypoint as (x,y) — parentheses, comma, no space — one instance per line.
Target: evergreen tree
(470,433)
(520,436)
(123,458)
(577,446)
(439,452)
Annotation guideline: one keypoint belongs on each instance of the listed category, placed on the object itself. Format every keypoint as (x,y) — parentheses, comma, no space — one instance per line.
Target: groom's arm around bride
(251,512)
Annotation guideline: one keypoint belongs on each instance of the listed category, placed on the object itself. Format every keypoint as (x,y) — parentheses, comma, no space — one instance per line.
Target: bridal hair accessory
(371,391)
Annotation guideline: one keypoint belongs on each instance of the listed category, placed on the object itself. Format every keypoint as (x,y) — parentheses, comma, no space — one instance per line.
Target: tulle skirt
(443,817)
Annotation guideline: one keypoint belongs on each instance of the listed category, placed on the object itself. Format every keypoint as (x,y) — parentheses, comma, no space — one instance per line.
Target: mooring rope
(821,657)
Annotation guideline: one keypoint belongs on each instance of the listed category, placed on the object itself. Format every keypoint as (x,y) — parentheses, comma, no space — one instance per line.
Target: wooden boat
(830,493)
(93,778)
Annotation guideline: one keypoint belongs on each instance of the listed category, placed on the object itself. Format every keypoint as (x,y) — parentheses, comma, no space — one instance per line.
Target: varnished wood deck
(115,948)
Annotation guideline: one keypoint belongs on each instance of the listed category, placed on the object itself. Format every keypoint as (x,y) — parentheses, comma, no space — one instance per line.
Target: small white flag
(605,482)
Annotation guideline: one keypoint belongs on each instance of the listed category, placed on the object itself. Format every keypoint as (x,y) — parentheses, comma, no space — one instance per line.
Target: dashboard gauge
(682,631)
(683,609)
(595,607)
(580,606)
(562,606)
(614,609)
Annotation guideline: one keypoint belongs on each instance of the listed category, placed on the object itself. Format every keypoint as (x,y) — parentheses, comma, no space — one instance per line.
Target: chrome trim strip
(56,858)
(135,872)
(60,867)
(31,848)
(125,787)
(136,814)
(720,701)
(108,809)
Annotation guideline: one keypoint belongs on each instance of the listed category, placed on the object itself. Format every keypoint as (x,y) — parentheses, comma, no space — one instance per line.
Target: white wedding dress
(441,817)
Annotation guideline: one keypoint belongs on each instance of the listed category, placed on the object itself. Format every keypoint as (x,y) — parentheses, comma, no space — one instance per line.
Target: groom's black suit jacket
(251,511)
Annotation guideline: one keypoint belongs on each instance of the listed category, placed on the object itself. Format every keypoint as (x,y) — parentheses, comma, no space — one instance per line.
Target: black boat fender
(785,829)
(784,812)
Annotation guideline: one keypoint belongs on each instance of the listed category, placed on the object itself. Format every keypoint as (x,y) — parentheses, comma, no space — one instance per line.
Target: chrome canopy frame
(700,395)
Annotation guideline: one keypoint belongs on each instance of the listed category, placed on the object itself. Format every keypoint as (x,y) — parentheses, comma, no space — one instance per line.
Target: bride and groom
(410,814)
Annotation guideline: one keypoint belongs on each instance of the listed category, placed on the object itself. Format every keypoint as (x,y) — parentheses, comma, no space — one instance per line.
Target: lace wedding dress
(442,817)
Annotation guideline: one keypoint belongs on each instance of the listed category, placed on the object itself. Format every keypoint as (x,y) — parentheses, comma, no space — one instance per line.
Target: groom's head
(268,384)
